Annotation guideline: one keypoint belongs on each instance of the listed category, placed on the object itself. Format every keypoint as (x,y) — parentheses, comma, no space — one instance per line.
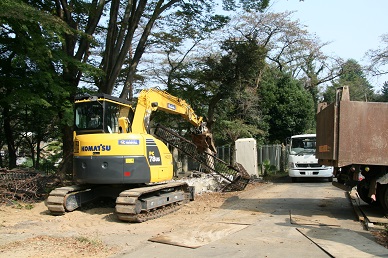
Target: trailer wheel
(363,191)
(383,197)
(340,180)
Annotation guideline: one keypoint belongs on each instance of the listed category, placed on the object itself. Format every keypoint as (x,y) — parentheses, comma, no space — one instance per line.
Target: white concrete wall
(246,155)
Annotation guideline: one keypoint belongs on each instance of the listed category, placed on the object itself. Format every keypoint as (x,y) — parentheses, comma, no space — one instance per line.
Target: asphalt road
(311,218)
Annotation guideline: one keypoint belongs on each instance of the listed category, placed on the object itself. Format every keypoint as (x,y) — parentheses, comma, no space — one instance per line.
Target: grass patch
(275,176)
(88,241)
(21,205)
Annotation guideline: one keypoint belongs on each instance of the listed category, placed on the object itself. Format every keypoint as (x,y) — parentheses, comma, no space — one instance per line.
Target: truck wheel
(383,197)
(363,191)
(340,180)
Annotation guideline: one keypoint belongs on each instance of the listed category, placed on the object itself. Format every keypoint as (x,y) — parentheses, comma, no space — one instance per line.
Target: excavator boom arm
(155,99)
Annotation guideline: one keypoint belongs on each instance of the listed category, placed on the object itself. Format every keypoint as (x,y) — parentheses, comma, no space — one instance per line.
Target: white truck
(302,161)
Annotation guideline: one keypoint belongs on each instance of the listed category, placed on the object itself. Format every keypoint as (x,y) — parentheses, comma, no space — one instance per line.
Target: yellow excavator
(116,156)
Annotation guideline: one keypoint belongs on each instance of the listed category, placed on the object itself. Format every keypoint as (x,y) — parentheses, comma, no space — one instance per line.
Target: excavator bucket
(204,142)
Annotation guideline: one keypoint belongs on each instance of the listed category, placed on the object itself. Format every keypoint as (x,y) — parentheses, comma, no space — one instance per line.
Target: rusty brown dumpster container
(353,132)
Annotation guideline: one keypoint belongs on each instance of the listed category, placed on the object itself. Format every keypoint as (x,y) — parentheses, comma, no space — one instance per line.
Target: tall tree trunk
(32,150)
(66,166)
(9,138)
(38,151)
(30,143)
(232,153)
(211,111)
(78,48)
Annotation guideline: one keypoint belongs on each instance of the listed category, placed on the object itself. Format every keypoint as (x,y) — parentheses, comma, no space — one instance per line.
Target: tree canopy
(255,74)
(65,44)
(353,75)
(287,106)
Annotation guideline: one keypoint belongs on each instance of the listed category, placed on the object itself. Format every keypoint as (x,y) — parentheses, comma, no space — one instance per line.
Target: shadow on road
(327,220)
(287,179)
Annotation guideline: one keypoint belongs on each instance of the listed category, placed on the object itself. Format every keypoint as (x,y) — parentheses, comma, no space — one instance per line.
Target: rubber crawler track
(56,199)
(128,203)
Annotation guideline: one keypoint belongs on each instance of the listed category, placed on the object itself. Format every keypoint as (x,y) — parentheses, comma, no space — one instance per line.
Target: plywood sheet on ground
(195,236)
(338,242)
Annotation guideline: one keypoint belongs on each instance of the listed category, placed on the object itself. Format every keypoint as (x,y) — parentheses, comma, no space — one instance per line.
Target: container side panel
(326,136)
(363,133)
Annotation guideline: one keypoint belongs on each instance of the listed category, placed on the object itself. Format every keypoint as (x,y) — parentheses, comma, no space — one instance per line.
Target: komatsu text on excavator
(116,156)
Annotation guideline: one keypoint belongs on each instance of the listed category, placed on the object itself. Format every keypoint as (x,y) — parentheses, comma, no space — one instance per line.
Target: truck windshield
(303,145)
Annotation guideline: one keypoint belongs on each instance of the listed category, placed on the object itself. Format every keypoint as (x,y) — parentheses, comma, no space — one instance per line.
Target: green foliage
(239,117)
(33,91)
(329,94)
(27,163)
(287,106)
(353,76)
(46,55)
(224,86)
(255,5)
(51,155)
(25,13)
(20,206)
(89,241)
(240,67)
(233,80)
(266,166)
(235,129)
(383,97)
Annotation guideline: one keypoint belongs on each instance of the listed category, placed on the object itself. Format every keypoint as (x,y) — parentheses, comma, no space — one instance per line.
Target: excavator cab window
(89,117)
(100,116)
(113,112)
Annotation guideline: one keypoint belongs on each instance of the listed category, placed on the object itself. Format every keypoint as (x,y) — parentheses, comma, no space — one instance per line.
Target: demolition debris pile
(24,185)
(230,178)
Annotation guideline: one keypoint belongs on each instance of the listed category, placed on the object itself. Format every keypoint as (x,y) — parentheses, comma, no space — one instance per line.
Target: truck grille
(312,165)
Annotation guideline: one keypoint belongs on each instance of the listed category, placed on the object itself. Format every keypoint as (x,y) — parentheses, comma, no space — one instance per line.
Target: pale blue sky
(352,26)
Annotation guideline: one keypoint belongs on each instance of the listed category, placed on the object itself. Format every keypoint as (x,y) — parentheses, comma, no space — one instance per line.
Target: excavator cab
(102,113)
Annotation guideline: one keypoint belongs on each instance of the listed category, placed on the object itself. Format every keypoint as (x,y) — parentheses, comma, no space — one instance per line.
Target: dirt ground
(95,231)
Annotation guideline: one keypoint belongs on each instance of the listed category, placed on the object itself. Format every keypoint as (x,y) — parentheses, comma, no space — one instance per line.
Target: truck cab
(302,160)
